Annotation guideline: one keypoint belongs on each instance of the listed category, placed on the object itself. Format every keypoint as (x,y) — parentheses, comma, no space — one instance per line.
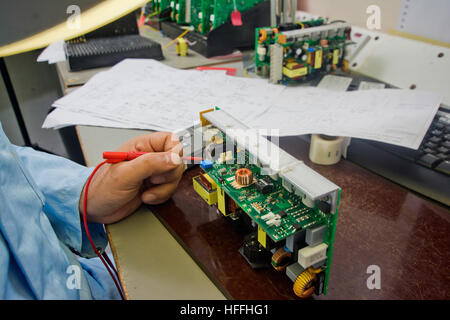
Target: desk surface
(379,223)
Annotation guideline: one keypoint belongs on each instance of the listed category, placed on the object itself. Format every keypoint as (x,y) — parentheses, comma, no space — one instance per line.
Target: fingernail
(175,158)
(157,180)
(150,197)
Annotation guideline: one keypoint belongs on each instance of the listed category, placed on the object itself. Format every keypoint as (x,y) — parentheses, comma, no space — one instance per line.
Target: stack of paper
(140,93)
(146,94)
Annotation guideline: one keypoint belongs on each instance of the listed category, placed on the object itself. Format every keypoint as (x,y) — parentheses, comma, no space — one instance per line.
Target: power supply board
(293,52)
(202,15)
(293,209)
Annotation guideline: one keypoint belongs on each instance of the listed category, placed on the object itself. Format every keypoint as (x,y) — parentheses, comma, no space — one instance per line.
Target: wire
(174,40)
(303,285)
(89,235)
(280,259)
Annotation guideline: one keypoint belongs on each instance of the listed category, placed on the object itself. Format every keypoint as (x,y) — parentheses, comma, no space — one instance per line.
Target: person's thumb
(149,164)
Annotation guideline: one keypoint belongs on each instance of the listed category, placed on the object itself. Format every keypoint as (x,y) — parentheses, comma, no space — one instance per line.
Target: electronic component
(299,50)
(282,214)
(206,188)
(255,253)
(293,271)
(311,255)
(206,164)
(304,284)
(282,208)
(264,186)
(281,259)
(315,236)
(181,47)
(222,201)
(244,176)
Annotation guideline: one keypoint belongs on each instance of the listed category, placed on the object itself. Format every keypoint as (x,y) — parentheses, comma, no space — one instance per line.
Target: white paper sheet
(146,92)
(140,93)
(60,118)
(399,117)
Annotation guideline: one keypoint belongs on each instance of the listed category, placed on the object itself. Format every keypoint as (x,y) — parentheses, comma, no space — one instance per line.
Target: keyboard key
(429,160)
(446,144)
(436,132)
(442,156)
(430,145)
(439,126)
(444,167)
(428,150)
(447,136)
(435,139)
(443,150)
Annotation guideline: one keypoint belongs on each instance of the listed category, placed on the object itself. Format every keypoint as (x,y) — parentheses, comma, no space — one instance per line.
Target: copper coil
(244,176)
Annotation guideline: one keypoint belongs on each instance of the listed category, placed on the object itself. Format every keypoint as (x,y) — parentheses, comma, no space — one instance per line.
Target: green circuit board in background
(205,15)
(331,54)
(224,8)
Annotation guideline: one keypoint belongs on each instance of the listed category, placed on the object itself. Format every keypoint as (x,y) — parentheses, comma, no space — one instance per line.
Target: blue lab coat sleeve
(61,182)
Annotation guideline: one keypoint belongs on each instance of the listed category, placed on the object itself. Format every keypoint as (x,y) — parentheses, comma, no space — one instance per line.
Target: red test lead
(116,157)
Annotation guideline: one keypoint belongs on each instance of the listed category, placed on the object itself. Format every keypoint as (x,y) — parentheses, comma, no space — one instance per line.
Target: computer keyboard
(426,170)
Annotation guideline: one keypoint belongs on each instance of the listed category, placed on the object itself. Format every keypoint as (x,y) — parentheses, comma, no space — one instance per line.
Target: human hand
(117,190)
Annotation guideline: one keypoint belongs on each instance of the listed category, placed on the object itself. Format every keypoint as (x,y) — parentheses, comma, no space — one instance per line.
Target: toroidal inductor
(244,176)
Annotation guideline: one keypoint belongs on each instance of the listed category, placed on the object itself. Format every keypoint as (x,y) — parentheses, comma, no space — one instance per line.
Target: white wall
(354,11)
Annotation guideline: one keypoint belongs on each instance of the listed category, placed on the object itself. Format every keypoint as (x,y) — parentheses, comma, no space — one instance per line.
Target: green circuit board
(205,15)
(224,8)
(297,216)
(300,58)
(255,204)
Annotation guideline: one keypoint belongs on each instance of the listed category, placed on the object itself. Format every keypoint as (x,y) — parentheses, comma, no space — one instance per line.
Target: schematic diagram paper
(140,93)
(399,117)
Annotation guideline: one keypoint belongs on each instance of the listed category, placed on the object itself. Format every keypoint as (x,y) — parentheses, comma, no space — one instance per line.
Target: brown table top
(379,223)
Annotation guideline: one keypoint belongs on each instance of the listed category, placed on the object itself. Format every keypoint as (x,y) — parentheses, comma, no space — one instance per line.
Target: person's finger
(157,142)
(167,177)
(159,193)
(152,163)
(151,142)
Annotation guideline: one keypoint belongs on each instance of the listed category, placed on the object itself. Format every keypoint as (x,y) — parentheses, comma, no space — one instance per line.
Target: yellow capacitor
(318,59)
(261,236)
(294,73)
(222,201)
(181,47)
(335,56)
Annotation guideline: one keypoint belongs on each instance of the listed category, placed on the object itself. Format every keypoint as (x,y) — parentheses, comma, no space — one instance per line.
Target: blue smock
(44,251)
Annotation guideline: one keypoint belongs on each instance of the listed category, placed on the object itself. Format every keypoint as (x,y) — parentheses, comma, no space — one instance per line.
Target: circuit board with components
(202,15)
(293,209)
(293,52)
(262,205)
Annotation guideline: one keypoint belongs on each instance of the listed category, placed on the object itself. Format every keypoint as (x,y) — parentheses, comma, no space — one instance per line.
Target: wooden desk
(379,223)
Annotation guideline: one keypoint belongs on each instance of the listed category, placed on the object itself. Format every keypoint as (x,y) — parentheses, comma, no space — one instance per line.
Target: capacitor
(298,52)
(261,50)
(304,57)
